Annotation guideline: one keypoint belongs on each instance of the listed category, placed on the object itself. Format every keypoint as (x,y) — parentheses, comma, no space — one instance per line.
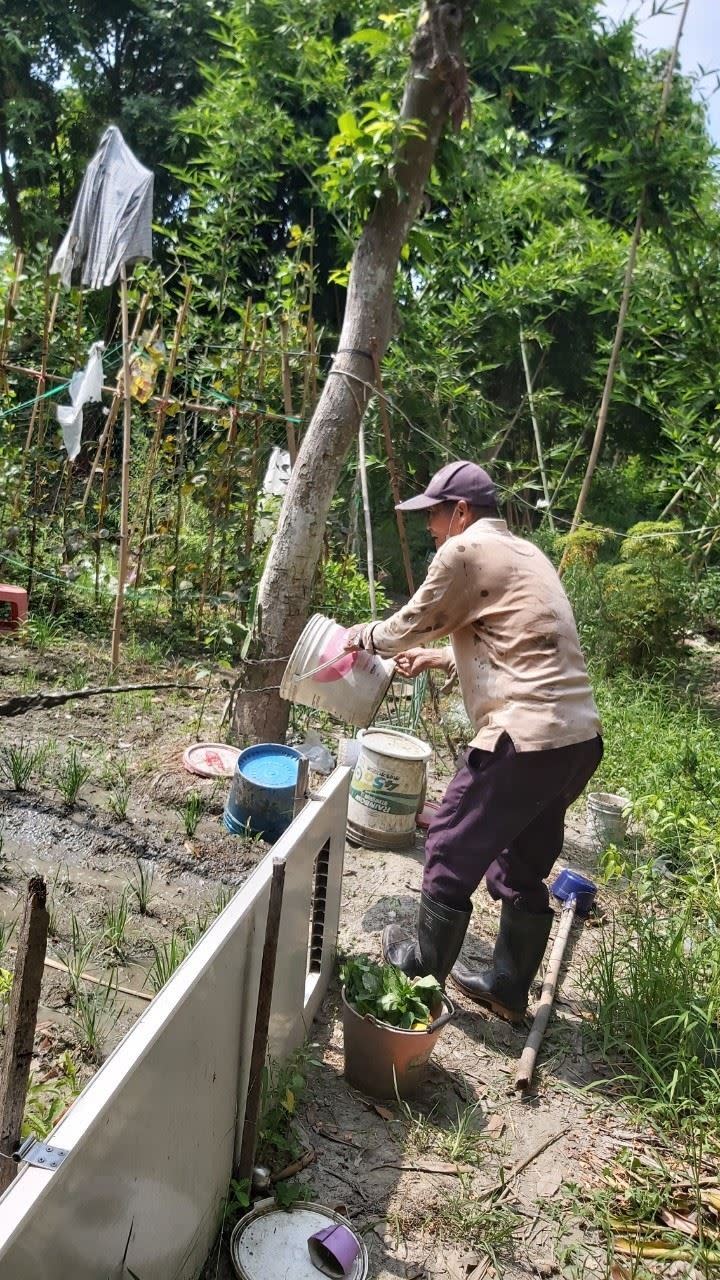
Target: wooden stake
(392,468)
(526,1065)
(123,552)
(262,1022)
(42,375)
(232,445)
(21,1021)
(161,416)
(287,393)
(39,414)
(536,428)
(115,402)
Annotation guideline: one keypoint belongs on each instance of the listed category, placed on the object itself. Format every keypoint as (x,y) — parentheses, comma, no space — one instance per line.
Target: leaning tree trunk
(436,90)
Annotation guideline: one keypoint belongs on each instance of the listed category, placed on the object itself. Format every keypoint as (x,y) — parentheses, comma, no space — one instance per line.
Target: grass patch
(654,978)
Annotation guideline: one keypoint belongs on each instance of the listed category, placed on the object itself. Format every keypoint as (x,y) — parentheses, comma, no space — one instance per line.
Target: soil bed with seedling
(94,797)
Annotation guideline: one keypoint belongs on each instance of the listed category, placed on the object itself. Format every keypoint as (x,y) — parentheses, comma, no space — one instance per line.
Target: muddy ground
(91,857)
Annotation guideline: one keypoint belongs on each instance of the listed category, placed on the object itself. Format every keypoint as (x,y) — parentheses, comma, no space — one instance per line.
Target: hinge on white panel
(40,1154)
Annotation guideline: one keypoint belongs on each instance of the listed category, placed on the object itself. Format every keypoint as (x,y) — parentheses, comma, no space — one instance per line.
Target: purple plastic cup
(334,1251)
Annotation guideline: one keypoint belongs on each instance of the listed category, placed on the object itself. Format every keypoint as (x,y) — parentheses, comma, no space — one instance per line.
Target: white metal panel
(151,1138)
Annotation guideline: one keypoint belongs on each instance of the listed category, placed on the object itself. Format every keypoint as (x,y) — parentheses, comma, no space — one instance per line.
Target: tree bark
(435,90)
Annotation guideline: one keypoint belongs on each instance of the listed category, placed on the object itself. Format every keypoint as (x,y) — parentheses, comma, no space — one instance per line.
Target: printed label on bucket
(378,791)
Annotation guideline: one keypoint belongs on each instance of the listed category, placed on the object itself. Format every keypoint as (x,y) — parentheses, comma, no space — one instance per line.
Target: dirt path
(424,1182)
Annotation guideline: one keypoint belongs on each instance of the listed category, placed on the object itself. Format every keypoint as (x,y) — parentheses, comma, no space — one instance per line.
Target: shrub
(342,592)
(634,612)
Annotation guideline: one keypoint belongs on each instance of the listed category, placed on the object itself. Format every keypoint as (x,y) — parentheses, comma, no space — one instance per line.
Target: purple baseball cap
(452,483)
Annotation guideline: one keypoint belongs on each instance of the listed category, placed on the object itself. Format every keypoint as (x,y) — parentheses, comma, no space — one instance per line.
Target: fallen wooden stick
(22,703)
(502,1189)
(297,1166)
(528,1058)
(52,963)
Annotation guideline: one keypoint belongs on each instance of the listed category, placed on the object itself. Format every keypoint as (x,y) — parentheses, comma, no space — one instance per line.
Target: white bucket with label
(606,819)
(320,674)
(387,789)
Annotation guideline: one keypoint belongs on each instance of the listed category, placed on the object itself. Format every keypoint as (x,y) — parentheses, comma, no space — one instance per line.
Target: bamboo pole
(232,444)
(123,553)
(42,374)
(369,549)
(162,415)
(287,393)
(536,428)
(392,468)
(528,1058)
(115,402)
(625,298)
(38,414)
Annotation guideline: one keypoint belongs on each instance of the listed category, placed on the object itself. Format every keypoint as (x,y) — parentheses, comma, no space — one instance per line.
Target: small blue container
(262,794)
(570,884)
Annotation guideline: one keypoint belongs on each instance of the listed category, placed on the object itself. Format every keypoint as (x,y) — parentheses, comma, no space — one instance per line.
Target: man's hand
(352,638)
(414,661)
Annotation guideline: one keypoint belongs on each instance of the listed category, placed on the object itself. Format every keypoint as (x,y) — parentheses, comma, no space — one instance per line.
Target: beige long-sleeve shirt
(513,639)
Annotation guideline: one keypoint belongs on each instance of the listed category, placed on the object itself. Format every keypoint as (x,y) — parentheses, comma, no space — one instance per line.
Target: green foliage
(115,923)
(18,762)
(78,954)
(141,885)
(167,957)
(94,1017)
(663,747)
(116,777)
(381,991)
(71,776)
(191,811)
(343,592)
(634,612)
(48,1098)
(655,983)
(283,1085)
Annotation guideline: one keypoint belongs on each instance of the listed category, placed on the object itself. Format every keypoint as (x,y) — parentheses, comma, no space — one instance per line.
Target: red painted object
(17,598)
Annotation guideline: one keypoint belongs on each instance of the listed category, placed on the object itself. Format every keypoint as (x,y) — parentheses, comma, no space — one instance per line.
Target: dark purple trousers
(503,817)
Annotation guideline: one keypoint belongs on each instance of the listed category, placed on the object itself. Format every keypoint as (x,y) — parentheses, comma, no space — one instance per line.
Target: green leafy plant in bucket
(386,993)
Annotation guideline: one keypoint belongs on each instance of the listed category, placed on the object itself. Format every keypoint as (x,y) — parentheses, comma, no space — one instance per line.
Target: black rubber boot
(440,935)
(519,949)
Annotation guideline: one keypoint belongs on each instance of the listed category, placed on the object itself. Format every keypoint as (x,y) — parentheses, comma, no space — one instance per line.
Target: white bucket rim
(423,749)
(607,801)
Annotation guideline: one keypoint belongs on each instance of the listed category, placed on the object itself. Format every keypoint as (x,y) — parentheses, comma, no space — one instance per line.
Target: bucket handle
(444,1017)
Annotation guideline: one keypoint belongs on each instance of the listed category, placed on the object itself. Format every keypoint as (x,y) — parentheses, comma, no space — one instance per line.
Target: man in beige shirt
(536,743)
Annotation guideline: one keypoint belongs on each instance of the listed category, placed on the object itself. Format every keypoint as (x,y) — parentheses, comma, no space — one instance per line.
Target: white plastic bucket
(606,820)
(387,789)
(321,675)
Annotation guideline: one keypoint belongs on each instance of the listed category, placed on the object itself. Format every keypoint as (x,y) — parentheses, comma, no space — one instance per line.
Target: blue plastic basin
(570,884)
(262,794)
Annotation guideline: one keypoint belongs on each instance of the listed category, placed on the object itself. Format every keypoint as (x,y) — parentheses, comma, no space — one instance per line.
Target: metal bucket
(605,818)
(262,794)
(384,1061)
(272,1244)
(350,686)
(387,789)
